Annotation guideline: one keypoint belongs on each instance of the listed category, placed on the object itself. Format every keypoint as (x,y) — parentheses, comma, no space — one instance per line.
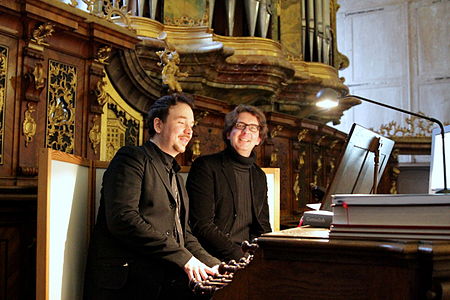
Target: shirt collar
(169,161)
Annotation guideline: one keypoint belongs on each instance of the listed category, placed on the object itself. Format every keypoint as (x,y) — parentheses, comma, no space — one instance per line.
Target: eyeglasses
(252,127)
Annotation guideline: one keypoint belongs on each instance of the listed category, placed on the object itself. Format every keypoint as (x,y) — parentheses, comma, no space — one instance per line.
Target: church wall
(399,54)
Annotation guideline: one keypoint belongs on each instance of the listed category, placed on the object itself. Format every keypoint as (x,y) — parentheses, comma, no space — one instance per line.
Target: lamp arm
(441,126)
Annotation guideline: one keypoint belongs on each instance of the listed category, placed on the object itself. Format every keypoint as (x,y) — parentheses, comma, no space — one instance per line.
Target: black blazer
(211,186)
(136,217)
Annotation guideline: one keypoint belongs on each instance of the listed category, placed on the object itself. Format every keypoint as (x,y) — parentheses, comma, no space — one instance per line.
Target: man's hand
(196,270)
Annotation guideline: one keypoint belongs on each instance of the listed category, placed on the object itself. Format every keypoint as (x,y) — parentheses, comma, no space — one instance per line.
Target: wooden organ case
(302,263)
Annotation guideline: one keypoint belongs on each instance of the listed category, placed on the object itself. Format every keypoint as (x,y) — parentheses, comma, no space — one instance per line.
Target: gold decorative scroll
(29,124)
(318,169)
(196,151)
(3,72)
(102,95)
(320,140)
(276,130)
(274,158)
(416,127)
(296,188)
(61,100)
(297,183)
(111,10)
(200,116)
(94,133)
(38,75)
(331,167)
(187,21)
(302,134)
(42,32)
(395,172)
(103,54)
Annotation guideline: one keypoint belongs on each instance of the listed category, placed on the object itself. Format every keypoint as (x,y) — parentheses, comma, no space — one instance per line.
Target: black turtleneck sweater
(241,167)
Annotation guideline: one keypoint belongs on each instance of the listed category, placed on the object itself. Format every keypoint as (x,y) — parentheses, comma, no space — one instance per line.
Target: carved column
(300,166)
(97,99)
(34,80)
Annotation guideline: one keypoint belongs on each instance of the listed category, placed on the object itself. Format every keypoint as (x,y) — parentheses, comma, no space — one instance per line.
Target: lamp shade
(327,98)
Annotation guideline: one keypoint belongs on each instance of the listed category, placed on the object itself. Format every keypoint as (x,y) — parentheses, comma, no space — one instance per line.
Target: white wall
(399,52)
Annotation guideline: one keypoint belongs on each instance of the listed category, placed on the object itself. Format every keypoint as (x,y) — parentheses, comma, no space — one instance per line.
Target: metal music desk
(302,263)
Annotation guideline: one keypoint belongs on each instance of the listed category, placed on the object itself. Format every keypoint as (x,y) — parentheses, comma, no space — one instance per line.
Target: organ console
(303,263)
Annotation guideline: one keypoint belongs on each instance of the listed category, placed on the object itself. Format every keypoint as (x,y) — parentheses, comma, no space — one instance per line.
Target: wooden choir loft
(79,77)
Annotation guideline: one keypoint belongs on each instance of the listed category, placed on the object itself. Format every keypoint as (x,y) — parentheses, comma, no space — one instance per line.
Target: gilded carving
(38,75)
(296,187)
(200,116)
(42,32)
(119,123)
(103,54)
(274,157)
(122,129)
(276,130)
(416,127)
(61,106)
(102,95)
(28,171)
(34,82)
(3,72)
(302,134)
(331,167)
(73,3)
(170,60)
(115,135)
(196,151)
(2,99)
(29,124)
(297,182)
(320,140)
(394,173)
(90,4)
(113,9)
(94,133)
(318,169)
(187,21)
(3,61)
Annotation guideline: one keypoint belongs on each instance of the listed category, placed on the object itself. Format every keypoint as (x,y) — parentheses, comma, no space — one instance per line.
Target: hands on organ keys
(226,271)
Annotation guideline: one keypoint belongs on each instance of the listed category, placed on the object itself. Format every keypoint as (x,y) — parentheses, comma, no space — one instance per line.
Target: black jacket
(212,189)
(136,219)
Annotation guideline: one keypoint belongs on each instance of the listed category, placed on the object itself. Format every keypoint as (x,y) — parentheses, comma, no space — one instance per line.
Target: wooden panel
(11,124)
(10,263)
(301,264)
(3,265)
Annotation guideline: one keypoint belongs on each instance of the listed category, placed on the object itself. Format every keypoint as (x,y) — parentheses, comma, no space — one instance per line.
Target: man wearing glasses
(228,191)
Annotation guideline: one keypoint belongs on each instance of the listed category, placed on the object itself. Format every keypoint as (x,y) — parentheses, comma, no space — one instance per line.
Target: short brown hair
(232,117)
(160,108)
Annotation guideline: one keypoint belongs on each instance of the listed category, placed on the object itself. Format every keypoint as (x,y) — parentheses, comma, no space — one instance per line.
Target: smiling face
(173,135)
(243,141)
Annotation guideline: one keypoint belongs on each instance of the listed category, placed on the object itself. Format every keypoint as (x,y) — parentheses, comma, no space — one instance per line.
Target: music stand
(436,183)
(356,172)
